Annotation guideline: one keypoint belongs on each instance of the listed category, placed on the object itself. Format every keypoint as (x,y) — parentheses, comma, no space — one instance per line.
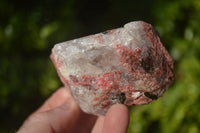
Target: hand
(61,114)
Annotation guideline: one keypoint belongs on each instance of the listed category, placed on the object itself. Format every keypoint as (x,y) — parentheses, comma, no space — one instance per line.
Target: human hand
(61,114)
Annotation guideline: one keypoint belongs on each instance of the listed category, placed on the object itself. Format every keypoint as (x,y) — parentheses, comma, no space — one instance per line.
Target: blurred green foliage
(29,29)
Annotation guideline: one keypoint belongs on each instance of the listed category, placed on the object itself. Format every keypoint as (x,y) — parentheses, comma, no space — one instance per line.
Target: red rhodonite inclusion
(150,70)
(107,82)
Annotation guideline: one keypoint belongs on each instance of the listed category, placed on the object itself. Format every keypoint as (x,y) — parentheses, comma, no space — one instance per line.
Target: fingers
(57,120)
(60,113)
(84,124)
(98,125)
(116,120)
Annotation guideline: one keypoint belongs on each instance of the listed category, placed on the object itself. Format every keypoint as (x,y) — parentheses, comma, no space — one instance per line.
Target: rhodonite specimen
(128,65)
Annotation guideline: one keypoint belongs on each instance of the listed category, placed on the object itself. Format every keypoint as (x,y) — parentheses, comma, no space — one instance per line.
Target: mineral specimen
(127,65)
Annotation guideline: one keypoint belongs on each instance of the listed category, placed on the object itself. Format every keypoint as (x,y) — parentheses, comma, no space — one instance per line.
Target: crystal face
(127,65)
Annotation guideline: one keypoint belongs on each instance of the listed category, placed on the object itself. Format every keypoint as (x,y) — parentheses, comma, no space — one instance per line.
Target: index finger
(116,120)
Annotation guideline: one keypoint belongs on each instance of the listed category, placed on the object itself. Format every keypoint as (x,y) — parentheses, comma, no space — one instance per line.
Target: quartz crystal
(127,65)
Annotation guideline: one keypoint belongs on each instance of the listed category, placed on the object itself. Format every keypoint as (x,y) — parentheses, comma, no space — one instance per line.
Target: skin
(61,114)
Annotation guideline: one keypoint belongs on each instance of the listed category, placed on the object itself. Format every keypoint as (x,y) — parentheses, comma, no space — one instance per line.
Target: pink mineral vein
(127,65)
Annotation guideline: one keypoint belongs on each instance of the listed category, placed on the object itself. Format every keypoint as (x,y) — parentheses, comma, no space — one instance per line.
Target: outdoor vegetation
(29,29)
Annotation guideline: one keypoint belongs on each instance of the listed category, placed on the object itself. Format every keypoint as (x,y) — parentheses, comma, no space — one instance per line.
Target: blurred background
(29,29)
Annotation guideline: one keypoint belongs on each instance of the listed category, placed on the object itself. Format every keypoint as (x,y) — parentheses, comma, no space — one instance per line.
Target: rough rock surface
(127,65)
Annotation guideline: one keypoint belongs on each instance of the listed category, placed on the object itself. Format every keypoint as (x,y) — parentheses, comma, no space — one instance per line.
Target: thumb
(57,120)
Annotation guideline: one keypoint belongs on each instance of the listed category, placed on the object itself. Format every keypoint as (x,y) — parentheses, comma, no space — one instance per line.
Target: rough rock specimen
(127,65)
